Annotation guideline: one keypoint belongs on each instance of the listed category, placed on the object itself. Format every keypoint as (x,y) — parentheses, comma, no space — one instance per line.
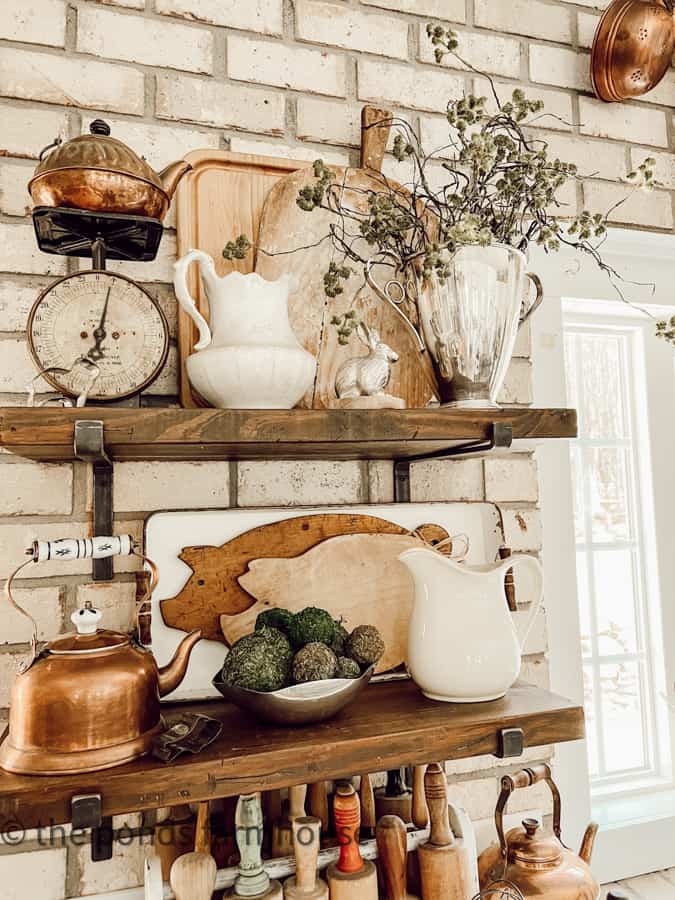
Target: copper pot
(536,861)
(98,173)
(632,49)
(90,699)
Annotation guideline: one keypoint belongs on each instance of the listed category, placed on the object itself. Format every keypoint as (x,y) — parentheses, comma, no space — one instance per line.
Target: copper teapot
(536,861)
(88,700)
(98,173)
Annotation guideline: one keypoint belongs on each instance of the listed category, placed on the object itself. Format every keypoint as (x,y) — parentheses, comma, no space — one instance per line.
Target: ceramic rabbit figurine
(367,377)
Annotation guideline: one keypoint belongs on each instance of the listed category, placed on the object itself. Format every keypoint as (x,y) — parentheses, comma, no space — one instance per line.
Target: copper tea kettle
(537,862)
(88,700)
(98,173)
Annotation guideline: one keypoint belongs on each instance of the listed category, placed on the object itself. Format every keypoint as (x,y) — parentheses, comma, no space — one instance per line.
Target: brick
(486,52)
(19,252)
(664,170)
(329,122)
(405,86)
(70,81)
(535,670)
(664,92)
(40,875)
(561,67)
(380,481)
(285,483)
(517,386)
(622,122)
(523,346)
(264,16)
(124,870)
(18,369)
(652,209)
(127,4)
(14,197)
(15,303)
(594,158)
(17,537)
(26,131)
(341,26)
(36,489)
(449,10)
(221,105)
(537,639)
(522,529)
(557,114)
(34,22)
(587,24)
(171,485)
(477,797)
(117,603)
(298,68)
(511,478)
(151,42)
(166,383)
(45,605)
(447,480)
(594,4)
(488,763)
(528,17)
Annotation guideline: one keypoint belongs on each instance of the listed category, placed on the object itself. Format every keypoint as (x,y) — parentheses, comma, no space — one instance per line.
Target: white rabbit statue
(361,382)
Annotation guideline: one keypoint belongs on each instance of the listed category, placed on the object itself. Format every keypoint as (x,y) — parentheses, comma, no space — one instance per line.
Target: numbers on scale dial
(67,322)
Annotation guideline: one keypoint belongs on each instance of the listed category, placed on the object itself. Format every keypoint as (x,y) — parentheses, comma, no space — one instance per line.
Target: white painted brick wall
(34,22)
(265,16)
(301,69)
(331,24)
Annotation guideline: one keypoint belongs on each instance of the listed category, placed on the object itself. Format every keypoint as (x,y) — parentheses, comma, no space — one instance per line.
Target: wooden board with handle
(284,227)
(214,588)
(357,578)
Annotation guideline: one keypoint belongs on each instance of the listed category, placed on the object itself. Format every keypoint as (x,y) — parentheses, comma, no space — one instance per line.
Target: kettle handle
(532,563)
(184,296)
(526,778)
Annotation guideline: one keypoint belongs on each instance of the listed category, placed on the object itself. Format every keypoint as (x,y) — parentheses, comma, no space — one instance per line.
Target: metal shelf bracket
(501,436)
(90,448)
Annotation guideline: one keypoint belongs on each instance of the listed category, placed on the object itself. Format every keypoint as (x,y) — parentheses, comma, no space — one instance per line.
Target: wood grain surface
(214,588)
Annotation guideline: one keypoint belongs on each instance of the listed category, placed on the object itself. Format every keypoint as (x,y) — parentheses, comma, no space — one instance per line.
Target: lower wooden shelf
(389,725)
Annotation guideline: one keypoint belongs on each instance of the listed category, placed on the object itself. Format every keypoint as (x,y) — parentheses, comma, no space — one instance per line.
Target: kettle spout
(172,174)
(588,843)
(171,676)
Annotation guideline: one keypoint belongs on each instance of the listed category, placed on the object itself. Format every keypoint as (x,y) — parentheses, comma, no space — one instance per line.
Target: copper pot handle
(55,143)
(526,778)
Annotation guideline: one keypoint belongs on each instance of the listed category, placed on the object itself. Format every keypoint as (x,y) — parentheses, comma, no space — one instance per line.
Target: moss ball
(337,645)
(315,662)
(311,626)
(347,668)
(260,661)
(275,618)
(365,645)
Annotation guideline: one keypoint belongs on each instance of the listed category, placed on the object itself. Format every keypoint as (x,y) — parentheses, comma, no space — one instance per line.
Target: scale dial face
(105,319)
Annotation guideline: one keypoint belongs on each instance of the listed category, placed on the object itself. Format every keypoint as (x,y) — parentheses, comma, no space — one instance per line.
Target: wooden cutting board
(284,227)
(357,578)
(214,588)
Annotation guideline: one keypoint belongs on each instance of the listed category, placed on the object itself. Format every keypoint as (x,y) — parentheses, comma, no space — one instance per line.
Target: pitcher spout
(171,676)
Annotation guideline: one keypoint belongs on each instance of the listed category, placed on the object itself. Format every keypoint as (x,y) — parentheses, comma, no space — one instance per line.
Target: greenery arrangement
(499,185)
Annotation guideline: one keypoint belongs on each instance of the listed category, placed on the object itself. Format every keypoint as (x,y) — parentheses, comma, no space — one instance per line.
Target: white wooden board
(166,534)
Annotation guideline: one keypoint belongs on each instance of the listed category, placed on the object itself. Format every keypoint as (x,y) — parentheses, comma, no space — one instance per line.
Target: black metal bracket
(85,812)
(89,447)
(501,436)
(510,743)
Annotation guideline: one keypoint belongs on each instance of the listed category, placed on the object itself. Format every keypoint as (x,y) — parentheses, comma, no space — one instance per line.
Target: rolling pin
(305,884)
(395,799)
(350,878)
(282,833)
(392,852)
(252,880)
(317,804)
(368,816)
(174,837)
(447,868)
(193,876)
(272,815)
(420,813)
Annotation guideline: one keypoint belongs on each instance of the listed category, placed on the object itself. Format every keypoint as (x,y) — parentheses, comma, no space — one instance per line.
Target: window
(628,734)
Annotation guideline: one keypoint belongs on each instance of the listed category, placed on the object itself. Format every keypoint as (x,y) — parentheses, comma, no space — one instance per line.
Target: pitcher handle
(386,294)
(535,606)
(526,311)
(184,296)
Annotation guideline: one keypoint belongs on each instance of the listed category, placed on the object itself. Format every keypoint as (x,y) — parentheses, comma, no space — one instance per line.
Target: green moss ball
(275,618)
(365,645)
(312,626)
(347,668)
(260,661)
(337,645)
(315,662)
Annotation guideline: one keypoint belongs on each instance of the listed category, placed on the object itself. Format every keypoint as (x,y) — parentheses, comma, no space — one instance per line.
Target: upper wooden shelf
(387,726)
(47,433)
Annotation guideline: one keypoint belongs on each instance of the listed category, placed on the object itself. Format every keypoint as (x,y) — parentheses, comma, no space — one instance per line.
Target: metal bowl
(300,704)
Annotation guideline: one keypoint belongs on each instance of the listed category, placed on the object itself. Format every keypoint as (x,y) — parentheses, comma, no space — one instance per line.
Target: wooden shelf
(389,725)
(154,434)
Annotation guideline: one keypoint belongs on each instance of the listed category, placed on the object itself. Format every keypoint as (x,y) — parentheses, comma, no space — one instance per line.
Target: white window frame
(645,839)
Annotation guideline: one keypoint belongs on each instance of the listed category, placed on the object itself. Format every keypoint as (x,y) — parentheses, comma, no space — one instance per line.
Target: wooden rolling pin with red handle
(351,877)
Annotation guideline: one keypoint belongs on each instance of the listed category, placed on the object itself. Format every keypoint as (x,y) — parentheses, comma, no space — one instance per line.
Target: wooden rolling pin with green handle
(351,877)
(252,880)
(392,851)
(193,876)
(305,884)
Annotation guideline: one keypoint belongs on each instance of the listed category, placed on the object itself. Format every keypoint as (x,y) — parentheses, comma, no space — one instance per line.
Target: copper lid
(530,845)
(98,150)
(86,643)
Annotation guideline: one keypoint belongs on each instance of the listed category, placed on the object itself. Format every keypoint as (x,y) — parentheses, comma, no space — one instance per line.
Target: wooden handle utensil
(174,837)
(193,876)
(368,814)
(252,880)
(305,884)
(395,799)
(420,813)
(350,878)
(297,796)
(392,851)
(317,804)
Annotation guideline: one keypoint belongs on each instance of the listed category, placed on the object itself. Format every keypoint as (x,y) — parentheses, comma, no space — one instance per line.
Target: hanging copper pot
(98,173)
(633,48)
(536,861)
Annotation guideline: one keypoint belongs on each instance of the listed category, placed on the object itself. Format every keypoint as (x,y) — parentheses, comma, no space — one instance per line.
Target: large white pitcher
(247,356)
(463,646)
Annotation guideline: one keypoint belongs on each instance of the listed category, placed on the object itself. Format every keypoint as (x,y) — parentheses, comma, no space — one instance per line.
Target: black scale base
(72,232)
